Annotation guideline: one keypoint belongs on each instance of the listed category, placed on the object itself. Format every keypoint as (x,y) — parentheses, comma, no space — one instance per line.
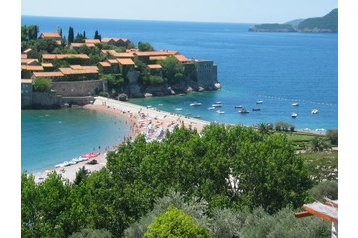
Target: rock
(217,85)
(189,89)
(201,89)
(148,95)
(122,97)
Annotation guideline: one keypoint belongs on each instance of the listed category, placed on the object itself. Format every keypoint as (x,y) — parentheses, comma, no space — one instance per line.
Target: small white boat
(296,104)
(314,111)
(259,102)
(239,106)
(294,115)
(195,104)
(160,104)
(178,109)
(243,110)
(197,116)
(211,108)
(216,105)
(220,112)
(218,102)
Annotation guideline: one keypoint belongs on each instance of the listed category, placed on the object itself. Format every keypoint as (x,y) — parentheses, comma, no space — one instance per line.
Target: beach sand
(149,121)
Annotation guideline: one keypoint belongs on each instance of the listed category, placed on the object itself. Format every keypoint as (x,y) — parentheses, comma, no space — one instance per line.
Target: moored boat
(178,109)
(259,102)
(295,104)
(256,109)
(216,105)
(314,111)
(211,108)
(243,110)
(195,104)
(238,106)
(220,112)
(294,115)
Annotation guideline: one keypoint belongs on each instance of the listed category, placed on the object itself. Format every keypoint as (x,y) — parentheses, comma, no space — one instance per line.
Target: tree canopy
(145,46)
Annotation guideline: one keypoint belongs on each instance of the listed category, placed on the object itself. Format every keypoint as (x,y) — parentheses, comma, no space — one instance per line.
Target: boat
(243,110)
(296,104)
(160,104)
(238,106)
(256,109)
(197,116)
(220,112)
(259,102)
(195,104)
(178,109)
(314,111)
(218,102)
(216,105)
(294,115)
(211,108)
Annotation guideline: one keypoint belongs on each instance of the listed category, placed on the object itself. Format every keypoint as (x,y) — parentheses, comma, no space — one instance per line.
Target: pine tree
(96,35)
(84,35)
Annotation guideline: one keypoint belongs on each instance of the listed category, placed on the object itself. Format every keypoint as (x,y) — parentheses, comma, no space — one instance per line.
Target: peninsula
(327,23)
(56,71)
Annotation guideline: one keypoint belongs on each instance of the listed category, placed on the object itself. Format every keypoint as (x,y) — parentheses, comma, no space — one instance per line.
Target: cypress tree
(96,35)
(84,35)
(70,35)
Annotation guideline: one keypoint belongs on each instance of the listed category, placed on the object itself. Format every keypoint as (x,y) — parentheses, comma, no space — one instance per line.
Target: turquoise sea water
(278,68)
(49,137)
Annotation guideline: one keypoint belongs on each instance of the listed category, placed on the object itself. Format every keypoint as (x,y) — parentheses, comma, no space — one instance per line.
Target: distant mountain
(327,23)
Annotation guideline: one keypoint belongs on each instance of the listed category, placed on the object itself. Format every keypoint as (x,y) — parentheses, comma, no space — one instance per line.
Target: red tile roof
(23,56)
(114,39)
(32,67)
(156,53)
(27,51)
(47,65)
(105,64)
(28,61)
(78,69)
(63,56)
(125,61)
(181,58)
(50,35)
(123,55)
(112,61)
(157,57)
(48,74)
(92,41)
(82,44)
(154,66)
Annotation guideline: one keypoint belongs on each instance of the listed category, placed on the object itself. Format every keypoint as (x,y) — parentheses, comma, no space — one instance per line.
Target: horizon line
(157,20)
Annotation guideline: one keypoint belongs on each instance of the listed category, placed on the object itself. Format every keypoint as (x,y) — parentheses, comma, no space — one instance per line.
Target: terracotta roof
(108,51)
(48,74)
(32,67)
(132,50)
(47,65)
(123,55)
(27,51)
(181,58)
(125,61)
(82,44)
(23,56)
(154,66)
(113,61)
(105,64)
(58,42)
(28,61)
(92,41)
(62,56)
(50,35)
(156,53)
(77,69)
(114,39)
(157,57)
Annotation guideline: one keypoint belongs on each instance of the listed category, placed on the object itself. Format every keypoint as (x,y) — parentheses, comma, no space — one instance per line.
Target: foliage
(71,35)
(265,128)
(175,223)
(319,144)
(97,35)
(80,38)
(327,22)
(274,27)
(156,80)
(81,174)
(90,233)
(145,46)
(283,126)
(173,70)
(327,189)
(29,32)
(42,85)
(321,166)
(115,83)
(333,136)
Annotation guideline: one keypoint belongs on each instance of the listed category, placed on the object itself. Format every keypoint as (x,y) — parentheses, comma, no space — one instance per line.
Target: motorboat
(220,112)
(195,104)
(259,102)
(197,116)
(178,109)
(295,104)
(216,105)
(160,104)
(218,102)
(238,106)
(256,109)
(243,110)
(314,111)
(294,115)
(211,108)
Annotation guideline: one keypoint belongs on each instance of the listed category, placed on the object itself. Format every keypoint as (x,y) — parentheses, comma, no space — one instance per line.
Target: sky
(244,11)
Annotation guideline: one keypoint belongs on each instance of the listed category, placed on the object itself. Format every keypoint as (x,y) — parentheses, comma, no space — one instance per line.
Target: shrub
(89,233)
(333,136)
(42,85)
(327,189)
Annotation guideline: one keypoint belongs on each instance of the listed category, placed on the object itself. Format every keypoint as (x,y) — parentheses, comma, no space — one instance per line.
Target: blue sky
(250,11)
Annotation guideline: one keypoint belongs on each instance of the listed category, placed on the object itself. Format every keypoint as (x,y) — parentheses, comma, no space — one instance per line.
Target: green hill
(274,27)
(327,23)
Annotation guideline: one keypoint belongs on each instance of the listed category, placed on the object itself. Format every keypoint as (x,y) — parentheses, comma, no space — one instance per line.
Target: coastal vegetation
(327,23)
(226,181)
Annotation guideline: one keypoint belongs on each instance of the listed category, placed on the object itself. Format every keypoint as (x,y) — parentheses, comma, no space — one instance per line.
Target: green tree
(145,46)
(71,35)
(81,175)
(80,38)
(319,144)
(175,223)
(96,35)
(333,136)
(42,85)
(90,233)
(173,70)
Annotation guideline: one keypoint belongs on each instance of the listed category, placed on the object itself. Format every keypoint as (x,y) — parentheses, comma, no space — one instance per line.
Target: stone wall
(78,88)
(44,100)
(206,74)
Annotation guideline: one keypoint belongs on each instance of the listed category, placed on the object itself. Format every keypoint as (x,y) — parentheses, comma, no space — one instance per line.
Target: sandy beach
(151,122)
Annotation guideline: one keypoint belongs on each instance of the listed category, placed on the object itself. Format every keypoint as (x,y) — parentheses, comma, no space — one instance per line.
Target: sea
(278,69)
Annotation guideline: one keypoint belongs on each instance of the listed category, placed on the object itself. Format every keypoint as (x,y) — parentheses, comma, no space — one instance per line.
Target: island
(327,23)
(56,71)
